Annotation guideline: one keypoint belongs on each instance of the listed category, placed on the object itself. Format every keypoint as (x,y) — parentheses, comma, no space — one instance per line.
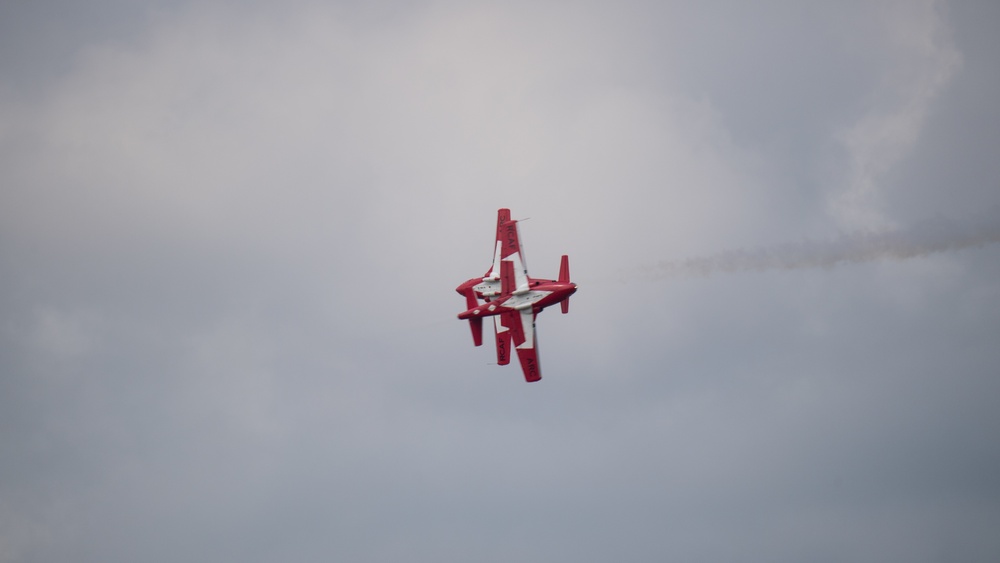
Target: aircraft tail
(564,278)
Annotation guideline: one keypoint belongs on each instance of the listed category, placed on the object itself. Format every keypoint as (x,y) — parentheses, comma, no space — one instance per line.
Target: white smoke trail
(925,237)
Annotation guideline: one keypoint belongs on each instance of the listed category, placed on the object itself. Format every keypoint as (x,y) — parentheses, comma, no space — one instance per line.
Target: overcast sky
(230,235)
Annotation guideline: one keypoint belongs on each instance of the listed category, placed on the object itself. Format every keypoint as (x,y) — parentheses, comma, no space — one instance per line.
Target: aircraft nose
(469,284)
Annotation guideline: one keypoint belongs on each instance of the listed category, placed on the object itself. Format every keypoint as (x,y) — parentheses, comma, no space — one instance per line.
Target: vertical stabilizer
(564,278)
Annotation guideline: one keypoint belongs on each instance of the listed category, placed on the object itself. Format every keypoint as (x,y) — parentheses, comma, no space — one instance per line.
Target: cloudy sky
(230,235)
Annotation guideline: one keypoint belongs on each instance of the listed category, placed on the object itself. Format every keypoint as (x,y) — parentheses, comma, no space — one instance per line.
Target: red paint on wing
(476,324)
(512,321)
(508,239)
(507,282)
(503,346)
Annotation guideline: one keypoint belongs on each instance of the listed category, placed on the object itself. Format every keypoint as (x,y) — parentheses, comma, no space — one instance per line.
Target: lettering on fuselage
(501,350)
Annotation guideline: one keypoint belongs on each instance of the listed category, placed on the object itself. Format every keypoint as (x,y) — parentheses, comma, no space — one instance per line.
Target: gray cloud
(229,238)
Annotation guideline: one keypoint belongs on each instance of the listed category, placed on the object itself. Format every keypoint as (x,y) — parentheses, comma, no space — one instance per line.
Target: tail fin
(564,269)
(564,278)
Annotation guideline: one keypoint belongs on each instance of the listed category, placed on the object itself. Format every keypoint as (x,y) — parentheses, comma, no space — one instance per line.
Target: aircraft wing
(503,216)
(527,351)
(510,251)
(521,327)
(503,341)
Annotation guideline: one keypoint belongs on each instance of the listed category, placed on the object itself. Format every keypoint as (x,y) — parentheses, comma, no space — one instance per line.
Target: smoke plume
(925,237)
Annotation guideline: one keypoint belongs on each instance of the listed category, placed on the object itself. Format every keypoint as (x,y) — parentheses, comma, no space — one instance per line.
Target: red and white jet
(513,299)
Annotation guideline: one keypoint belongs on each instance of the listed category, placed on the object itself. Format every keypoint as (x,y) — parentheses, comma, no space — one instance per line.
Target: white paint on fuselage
(489,287)
(522,297)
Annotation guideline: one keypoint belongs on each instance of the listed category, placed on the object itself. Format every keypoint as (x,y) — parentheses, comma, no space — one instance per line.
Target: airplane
(513,299)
